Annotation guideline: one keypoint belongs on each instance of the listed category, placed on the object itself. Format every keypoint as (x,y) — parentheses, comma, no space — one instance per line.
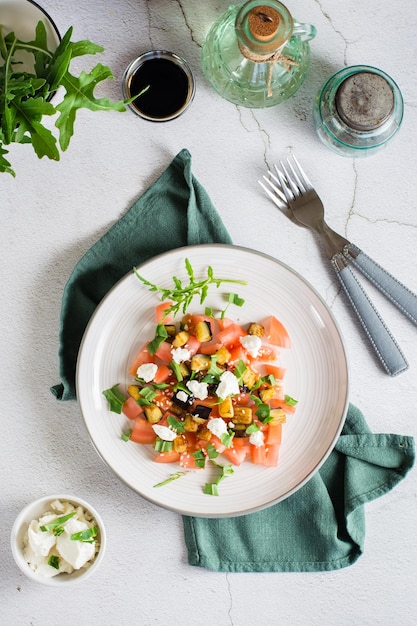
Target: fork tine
(300,173)
(280,204)
(283,183)
(297,179)
(277,189)
(288,182)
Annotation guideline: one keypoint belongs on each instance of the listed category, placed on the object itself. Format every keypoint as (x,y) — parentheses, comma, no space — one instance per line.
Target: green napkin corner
(321,526)
(174,212)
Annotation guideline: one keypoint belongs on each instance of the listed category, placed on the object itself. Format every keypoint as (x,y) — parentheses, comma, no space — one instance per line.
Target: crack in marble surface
(187,24)
(352,211)
(337,31)
(229,590)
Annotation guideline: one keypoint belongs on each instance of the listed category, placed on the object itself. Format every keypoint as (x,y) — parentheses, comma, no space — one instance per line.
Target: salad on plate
(205,387)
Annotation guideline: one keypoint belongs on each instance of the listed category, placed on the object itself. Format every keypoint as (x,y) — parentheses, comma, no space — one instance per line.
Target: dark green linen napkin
(174,212)
(319,528)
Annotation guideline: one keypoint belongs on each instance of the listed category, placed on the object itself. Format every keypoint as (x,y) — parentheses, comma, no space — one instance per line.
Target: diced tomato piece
(188,460)
(163,401)
(142,431)
(162,374)
(142,357)
(230,335)
(192,345)
(167,457)
(243,399)
(276,333)
(131,408)
(161,317)
(265,455)
(191,440)
(275,370)
(279,403)
(224,323)
(217,444)
(274,434)
(238,353)
(258,455)
(210,348)
(239,451)
(272,453)
(164,352)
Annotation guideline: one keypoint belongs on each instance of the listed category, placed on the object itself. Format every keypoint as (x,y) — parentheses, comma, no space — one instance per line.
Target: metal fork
(290,188)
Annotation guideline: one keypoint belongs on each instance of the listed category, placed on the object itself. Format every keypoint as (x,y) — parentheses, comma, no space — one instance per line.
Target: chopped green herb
(170,479)
(211,489)
(240,369)
(214,370)
(147,396)
(163,446)
(126,436)
(211,451)
(175,424)
(263,411)
(53,561)
(200,458)
(56,523)
(227,438)
(115,398)
(86,536)
(253,428)
(161,334)
(177,371)
(290,401)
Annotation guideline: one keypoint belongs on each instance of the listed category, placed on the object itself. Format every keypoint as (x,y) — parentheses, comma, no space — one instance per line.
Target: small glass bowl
(170,83)
(35,510)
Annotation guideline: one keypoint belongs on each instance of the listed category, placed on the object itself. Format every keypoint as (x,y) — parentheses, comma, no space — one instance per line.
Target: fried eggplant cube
(243,415)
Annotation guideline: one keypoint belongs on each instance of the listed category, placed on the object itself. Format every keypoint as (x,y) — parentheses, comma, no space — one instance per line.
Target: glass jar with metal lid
(358,111)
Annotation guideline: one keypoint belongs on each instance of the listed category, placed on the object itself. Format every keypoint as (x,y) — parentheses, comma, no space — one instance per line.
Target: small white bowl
(35,510)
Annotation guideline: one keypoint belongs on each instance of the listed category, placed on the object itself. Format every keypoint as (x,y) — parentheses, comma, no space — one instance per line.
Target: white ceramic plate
(317,375)
(21,17)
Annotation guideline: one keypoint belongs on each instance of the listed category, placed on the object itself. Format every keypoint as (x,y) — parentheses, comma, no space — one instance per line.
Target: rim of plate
(91,401)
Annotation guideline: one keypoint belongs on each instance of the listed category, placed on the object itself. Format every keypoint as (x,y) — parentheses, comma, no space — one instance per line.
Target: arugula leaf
(182,295)
(25,96)
(80,94)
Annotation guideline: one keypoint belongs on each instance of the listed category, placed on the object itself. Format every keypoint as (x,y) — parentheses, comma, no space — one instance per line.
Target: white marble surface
(53,212)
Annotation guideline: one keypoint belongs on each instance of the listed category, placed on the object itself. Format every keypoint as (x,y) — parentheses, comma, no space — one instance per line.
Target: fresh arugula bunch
(25,96)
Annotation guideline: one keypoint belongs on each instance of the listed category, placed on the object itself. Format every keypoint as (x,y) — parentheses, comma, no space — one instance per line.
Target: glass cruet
(255,55)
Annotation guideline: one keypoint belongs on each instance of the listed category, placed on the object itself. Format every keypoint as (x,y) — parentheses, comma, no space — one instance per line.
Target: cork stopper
(263,22)
(365,101)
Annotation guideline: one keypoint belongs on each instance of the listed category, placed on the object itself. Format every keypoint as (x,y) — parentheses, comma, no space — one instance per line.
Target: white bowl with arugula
(36,64)
(58,540)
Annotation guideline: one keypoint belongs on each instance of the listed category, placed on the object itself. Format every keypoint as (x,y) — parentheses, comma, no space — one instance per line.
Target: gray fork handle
(398,293)
(381,339)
